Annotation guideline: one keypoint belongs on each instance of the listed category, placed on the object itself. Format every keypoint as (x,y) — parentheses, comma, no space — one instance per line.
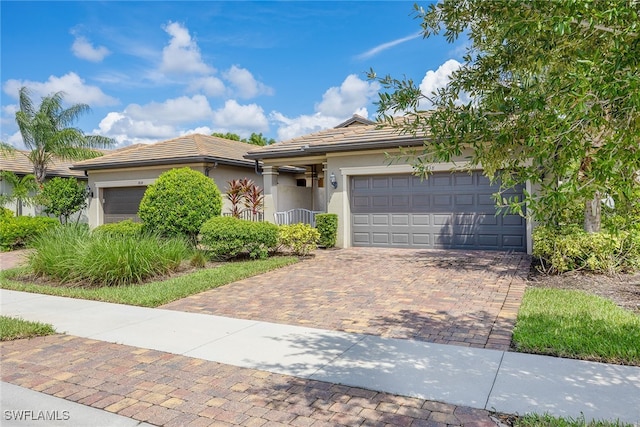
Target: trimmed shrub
(18,231)
(179,202)
(327,225)
(572,248)
(301,239)
(6,213)
(228,237)
(124,228)
(75,255)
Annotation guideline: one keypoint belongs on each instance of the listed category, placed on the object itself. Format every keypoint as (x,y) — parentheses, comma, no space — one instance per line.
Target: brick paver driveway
(466,298)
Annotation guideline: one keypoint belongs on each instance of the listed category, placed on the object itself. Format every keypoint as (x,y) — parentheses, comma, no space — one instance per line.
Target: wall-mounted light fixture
(87,192)
(333,180)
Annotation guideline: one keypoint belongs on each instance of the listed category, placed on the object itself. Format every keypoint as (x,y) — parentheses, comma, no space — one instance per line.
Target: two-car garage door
(447,210)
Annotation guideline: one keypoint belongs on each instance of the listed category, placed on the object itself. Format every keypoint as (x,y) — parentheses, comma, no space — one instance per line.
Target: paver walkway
(449,297)
(12,259)
(172,390)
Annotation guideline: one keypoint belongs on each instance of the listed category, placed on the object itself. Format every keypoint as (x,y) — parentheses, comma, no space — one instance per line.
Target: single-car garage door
(122,203)
(447,210)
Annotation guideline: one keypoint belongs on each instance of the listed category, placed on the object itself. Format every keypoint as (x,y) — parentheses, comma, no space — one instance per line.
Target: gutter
(154,162)
(325,148)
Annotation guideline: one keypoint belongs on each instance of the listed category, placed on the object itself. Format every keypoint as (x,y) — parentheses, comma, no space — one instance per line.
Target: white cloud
(353,93)
(127,131)
(176,110)
(240,119)
(210,86)
(82,48)
(247,86)
(292,127)
(337,105)
(433,80)
(384,46)
(182,54)
(75,89)
(155,121)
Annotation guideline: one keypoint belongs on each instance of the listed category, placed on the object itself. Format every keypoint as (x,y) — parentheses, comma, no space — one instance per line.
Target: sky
(152,70)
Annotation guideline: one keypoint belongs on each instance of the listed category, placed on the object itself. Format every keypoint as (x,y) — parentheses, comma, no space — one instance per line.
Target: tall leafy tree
(554,93)
(259,139)
(47,132)
(63,197)
(254,138)
(21,192)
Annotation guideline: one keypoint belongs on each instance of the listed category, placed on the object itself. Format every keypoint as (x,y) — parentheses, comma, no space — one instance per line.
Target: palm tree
(48,132)
(21,190)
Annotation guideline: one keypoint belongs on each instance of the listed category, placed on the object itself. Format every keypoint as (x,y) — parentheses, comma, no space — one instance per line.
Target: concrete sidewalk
(478,378)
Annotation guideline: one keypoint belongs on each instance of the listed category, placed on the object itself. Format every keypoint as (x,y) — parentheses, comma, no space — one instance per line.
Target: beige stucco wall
(144,176)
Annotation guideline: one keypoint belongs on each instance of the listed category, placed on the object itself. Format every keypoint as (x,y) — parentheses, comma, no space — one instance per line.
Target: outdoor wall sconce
(333,180)
(87,192)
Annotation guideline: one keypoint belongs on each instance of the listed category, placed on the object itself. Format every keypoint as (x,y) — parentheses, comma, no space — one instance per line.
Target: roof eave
(325,148)
(162,162)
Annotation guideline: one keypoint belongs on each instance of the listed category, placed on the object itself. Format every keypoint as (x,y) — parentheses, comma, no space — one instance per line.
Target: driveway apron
(467,298)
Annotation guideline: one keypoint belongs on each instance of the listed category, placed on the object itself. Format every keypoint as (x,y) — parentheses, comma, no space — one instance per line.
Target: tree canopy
(554,99)
(48,131)
(254,138)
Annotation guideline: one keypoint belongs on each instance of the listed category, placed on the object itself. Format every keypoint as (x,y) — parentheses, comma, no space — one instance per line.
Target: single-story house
(119,179)
(18,163)
(380,202)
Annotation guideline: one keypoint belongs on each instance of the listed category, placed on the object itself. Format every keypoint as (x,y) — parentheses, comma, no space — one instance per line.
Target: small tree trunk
(592,214)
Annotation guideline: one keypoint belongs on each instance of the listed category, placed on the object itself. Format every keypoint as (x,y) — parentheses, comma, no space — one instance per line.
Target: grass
(73,254)
(536,420)
(577,325)
(13,329)
(154,294)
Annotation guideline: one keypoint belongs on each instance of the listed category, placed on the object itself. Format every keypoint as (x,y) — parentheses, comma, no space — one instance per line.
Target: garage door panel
(400,238)
(445,211)
(400,219)
(442,200)
(360,220)
(462,200)
(380,238)
(361,239)
(401,202)
(420,219)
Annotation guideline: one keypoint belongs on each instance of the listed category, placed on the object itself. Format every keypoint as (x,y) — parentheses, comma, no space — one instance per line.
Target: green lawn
(577,325)
(155,293)
(13,329)
(549,421)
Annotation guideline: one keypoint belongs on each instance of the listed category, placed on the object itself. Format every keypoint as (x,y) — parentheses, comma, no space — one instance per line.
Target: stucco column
(327,184)
(270,182)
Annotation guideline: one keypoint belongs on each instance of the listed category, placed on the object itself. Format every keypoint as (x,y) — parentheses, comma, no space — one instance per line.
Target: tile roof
(18,163)
(184,149)
(360,137)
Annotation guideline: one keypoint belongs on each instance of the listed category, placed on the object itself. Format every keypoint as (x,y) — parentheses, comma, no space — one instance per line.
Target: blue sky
(152,71)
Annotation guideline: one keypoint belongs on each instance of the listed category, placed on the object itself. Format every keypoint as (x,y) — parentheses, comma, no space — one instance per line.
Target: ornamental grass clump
(77,256)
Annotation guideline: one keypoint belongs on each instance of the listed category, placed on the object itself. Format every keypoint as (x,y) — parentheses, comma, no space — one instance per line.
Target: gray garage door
(122,203)
(447,210)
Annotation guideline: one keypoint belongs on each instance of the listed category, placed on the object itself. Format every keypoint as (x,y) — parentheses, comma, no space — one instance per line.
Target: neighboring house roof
(185,149)
(349,138)
(18,163)
(355,120)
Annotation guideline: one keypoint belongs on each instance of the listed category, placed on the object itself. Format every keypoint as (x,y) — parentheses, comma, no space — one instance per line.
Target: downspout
(257,169)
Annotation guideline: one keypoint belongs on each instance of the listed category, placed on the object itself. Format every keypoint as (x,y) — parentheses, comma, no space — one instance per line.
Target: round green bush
(179,202)
(228,237)
(123,228)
